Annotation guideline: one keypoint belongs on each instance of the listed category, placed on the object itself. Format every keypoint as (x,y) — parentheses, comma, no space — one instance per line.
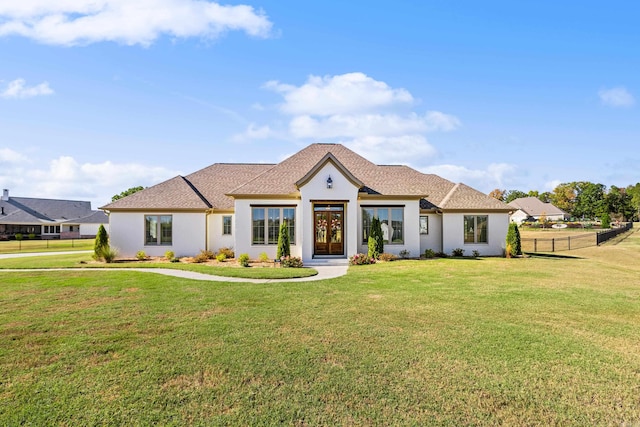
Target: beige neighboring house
(532,208)
(328,196)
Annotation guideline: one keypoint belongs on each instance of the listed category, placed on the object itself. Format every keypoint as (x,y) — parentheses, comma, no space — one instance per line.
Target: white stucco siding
(127,234)
(411,224)
(216,238)
(243,227)
(433,239)
(519,216)
(453,231)
(342,190)
(91,229)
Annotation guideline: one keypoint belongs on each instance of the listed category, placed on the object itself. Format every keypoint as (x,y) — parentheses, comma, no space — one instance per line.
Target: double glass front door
(329,230)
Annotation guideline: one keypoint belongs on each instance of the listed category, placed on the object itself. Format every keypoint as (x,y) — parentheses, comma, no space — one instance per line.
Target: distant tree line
(585,200)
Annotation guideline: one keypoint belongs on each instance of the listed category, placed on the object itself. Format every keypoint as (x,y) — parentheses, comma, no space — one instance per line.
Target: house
(48,218)
(326,193)
(532,208)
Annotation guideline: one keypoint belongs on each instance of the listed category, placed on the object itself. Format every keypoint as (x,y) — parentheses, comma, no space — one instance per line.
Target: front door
(328,230)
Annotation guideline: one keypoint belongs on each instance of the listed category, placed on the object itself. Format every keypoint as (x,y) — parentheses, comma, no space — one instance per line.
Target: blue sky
(97,96)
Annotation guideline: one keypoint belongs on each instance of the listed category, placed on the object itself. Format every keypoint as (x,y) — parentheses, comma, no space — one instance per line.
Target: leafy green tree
(101,244)
(514,244)
(605,220)
(376,239)
(619,203)
(545,197)
(634,192)
(511,195)
(590,200)
(284,246)
(564,197)
(126,193)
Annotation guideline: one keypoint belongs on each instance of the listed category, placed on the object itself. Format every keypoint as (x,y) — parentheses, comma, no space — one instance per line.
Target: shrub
(227,251)
(513,242)
(264,257)
(429,253)
(404,253)
(101,243)
(605,221)
(457,252)
(32,236)
(475,254)
(284,246)
(175,260)
(109,254)
(361,259)
(243,259)
(291,262)
(141,255)
(377,247)
(441,254)
(203,256)
(19,236)
(169,255)
(387,257)
(221,257)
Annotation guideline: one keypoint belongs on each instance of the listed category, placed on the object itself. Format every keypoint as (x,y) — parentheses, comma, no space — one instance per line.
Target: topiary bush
(377,247)
(513,241)
(221,257)
(101,243)
(141,255)
(169,255)
(284,246)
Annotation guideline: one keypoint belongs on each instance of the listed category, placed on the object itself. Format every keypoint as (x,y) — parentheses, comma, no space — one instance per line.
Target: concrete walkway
(324,271)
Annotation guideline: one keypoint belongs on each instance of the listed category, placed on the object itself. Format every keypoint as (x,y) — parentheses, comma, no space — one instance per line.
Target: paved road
(324,271)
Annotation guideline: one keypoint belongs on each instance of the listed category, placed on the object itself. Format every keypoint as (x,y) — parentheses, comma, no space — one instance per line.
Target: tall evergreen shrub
(284,246)
(101,243)
(376,239)
(605,220)
(514,244)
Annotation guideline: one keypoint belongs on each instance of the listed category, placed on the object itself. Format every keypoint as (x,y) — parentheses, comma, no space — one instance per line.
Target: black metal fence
(557,244)
(603,236)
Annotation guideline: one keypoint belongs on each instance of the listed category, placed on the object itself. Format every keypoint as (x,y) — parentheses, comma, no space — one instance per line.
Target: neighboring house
(327,194)
(48,218)
(532,208)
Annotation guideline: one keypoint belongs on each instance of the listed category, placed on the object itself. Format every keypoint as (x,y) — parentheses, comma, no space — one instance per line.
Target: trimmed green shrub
(228,252)
(457,252)
(429,253)
(264,257)
(378,237)
(19,236)
(169,255)
(101,243)
(404,253)
(221,257)
(475,254)
(605,220)
(109,254)
(141,255)
(243,259)
(32,236)
(513,242)
(284,246)
(291,262)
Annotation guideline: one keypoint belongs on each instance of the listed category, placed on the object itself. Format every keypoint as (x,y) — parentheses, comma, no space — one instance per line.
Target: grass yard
(531,341)
(15,246)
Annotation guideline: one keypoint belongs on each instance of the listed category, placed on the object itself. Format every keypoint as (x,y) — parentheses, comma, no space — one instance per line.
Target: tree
(514,245)
(605,220)
(101,243)
(634,192)
(511,195)
(284,246)
(126,193)
(590,200)
(619,203)
(545,197)
(376,239)
(497,194)
(564,197)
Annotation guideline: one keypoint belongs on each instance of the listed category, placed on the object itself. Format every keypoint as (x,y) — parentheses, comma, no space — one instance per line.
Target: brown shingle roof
(533,206)
(216,185)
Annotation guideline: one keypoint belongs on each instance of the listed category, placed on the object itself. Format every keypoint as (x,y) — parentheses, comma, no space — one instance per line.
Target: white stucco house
(327,194)
(532,208)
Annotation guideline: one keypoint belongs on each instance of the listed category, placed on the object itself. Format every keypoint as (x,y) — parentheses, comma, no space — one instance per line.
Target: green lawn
(491,341)
(15,246)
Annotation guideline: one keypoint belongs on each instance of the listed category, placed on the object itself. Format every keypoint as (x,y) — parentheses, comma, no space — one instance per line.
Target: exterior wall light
(329,183)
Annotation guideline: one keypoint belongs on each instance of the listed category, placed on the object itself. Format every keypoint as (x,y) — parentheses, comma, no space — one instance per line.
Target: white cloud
(493,176)
(342,94)
(616,97)
(74,22)
(67,178)
(254,132)
(18,89)
(392,150)
(9,156)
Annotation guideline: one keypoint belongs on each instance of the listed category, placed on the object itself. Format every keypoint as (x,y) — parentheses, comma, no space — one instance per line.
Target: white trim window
(265,223)
(476,228)
(158,230)
(227,225)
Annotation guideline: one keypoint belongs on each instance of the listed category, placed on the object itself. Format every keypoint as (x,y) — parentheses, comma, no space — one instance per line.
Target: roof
(216,186)
(533,206)
(26,210)
(96,217)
